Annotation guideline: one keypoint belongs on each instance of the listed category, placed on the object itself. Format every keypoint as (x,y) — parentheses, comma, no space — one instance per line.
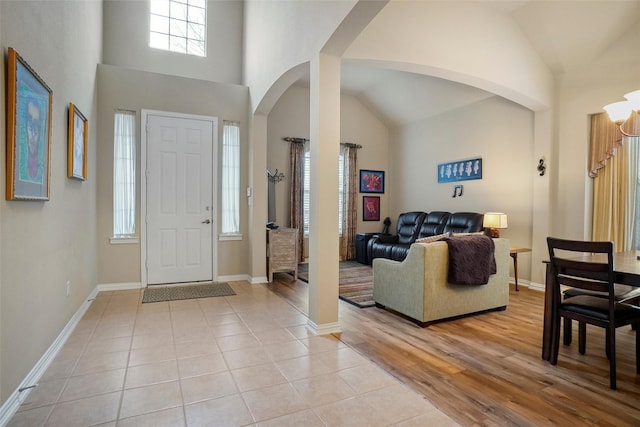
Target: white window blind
(124,174)
(340,190)
(179,26)
(307,190)
(230,210)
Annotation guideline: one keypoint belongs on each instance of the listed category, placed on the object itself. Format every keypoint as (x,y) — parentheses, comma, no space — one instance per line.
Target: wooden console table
(282,251)
(514,251)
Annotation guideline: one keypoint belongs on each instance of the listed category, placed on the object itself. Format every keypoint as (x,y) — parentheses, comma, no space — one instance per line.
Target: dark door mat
(174,293)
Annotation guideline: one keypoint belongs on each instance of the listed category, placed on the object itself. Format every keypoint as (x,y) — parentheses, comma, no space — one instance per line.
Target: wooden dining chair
(588,265)
(622,293)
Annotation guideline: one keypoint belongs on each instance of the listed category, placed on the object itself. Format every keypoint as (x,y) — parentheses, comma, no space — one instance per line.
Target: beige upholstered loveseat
(418,288)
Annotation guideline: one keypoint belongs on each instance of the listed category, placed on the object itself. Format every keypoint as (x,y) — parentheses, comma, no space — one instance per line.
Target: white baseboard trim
(536,286)
(13,402)
(527,284)
(324,329)
(103,287)
(233,278)
(258,280)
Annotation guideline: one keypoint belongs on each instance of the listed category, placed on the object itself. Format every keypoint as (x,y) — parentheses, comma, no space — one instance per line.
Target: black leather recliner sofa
(416,225)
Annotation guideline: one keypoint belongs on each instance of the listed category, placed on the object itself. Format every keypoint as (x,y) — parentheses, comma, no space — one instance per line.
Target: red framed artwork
(371,208)
(371,181)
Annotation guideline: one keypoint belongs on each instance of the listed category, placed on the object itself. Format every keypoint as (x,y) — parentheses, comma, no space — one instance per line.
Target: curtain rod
(351,145)
(295,140)
(303,140)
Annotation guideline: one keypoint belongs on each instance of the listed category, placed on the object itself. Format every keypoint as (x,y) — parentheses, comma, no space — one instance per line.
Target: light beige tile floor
(243,360)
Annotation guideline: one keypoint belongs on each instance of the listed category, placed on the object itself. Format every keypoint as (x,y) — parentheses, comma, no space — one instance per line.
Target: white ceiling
(566,35)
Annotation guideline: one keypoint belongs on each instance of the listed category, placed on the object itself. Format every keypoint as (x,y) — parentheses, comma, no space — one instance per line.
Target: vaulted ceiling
(566,35)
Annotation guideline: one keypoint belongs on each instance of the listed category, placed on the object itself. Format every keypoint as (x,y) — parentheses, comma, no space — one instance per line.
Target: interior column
(324,126)
(542,184)
(257,197)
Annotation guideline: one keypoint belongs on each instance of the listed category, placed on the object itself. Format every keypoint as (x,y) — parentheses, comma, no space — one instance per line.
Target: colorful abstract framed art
(29,103)
(371,181)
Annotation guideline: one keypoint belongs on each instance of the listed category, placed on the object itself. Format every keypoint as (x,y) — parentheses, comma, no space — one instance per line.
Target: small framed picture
(77,144)
(371,208)
(371,181)
(29,101)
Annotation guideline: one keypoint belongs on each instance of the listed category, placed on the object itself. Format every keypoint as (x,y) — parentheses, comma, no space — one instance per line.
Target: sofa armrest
(386,238)
(394,282)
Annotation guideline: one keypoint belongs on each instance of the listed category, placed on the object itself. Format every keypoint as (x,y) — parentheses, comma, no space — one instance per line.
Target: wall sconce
(619,112)
(494,221)
(541,167)
(275,177)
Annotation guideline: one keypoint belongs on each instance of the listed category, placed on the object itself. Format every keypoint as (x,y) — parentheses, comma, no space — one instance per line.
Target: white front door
(179,208)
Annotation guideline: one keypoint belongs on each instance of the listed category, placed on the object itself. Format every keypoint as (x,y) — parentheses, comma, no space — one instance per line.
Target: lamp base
(494,232)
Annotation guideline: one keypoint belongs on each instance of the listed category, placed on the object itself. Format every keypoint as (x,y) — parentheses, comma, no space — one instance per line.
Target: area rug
(355,283)
(174,293)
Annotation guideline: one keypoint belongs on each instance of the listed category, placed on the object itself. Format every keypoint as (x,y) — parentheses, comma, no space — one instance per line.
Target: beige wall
(120,88)
(290,118)
(46,244)
(126,42)
(580,94)
(499,131)
(281,35)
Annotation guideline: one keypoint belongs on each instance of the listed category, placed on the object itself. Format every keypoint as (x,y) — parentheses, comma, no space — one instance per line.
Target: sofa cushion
(464,222)
(433,224)
(408,226)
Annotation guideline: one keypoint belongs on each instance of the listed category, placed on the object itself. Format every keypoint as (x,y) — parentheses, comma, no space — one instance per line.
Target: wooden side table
(514,251)
(282,251)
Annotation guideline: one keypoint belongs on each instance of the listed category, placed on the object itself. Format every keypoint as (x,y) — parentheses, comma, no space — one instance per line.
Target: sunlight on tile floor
(243,360)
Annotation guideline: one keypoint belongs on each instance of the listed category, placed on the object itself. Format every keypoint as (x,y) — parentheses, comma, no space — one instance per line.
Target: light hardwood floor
(487,370)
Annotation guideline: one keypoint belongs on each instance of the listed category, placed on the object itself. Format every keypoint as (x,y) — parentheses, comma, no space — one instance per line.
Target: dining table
(626,267)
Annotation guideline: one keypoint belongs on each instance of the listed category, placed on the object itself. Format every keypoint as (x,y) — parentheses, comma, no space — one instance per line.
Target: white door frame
(143,188)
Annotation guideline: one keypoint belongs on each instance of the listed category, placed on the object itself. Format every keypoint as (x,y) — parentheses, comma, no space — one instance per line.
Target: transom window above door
(178,26)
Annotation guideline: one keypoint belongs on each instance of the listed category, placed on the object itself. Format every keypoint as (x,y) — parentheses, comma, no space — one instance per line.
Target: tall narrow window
(124,174)
(307,191)
(306,208)
(179,26)
(230,210)
(340,191)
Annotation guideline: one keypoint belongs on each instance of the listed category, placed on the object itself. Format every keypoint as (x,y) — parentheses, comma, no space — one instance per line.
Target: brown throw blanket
(471,259)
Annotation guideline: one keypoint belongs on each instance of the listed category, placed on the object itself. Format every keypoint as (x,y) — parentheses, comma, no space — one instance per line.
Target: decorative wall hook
(541,166)
(275,177)
(457,191)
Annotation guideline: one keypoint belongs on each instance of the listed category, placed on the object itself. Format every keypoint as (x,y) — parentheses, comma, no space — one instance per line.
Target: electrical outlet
(68,287)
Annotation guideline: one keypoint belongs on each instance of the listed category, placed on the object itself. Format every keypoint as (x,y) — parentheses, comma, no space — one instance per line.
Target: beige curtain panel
(614,197)
(613,163)
(606,138)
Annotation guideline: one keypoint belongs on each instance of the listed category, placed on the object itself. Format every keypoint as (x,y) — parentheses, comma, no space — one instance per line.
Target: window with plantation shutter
(307,188)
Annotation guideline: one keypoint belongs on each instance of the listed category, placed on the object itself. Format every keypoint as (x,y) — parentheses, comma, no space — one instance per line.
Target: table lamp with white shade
(494,221)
